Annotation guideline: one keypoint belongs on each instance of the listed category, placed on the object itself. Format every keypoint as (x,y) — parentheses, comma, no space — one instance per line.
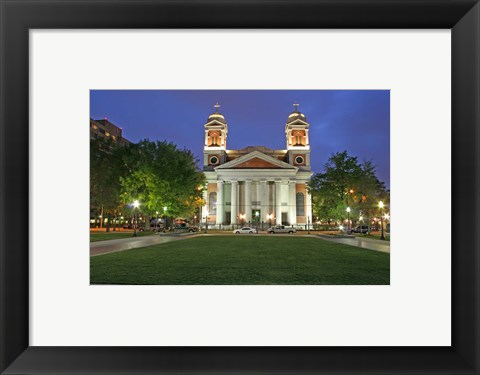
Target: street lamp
(380,204)
(348,219)
(135,205)
(164,218)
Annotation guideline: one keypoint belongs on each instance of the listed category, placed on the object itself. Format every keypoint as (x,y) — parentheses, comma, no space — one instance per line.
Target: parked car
(362,229)
(157,224)
(246,230)
(281,229)
(184,227)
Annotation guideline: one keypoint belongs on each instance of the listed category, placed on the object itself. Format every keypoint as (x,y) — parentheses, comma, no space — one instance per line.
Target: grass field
(103,236)
(243,260)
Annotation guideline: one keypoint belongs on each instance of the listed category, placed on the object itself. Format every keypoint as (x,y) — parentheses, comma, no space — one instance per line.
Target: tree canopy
(346,183)
(157,174)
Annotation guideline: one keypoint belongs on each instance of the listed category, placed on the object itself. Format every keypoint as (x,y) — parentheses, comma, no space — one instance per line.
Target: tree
(370,190)
(105,170)
(161,175)
(331,190)
(345,183)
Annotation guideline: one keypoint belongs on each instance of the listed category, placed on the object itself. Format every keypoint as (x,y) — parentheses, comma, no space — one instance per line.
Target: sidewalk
(365,243)
(122,244)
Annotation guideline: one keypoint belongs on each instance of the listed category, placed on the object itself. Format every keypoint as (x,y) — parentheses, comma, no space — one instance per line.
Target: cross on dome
(216,106)
(295,105)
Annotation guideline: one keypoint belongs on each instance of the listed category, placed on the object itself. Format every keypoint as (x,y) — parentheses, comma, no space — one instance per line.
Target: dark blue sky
(354,120)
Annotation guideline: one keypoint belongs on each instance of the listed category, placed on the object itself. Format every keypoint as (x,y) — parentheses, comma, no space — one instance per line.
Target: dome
(218,117)
(296,115)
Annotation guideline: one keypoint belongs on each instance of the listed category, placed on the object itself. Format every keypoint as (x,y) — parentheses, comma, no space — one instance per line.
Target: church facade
(256,184)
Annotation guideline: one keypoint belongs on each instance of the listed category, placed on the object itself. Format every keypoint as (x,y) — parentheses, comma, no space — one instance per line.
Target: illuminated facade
(257,184)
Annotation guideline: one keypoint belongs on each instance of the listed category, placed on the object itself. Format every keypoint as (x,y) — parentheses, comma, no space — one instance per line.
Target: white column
(278,202)
(292,203)
(206,137)
(234,203)
(309,211)
(248,201)
(219,202)
(264,200)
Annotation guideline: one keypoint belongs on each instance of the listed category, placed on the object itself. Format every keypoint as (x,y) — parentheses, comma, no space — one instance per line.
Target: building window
(212,203)
(299,160)
(213,160)
(300,204)
(215,139)
(298,138)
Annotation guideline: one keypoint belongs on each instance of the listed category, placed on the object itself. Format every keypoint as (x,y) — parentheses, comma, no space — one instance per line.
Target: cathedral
(256,184)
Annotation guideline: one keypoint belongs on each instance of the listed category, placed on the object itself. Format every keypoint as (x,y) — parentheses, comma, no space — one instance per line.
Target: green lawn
(103,236)
(244,260)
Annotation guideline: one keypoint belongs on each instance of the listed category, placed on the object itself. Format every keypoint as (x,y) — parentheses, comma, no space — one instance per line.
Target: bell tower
(216,131)
(298,145)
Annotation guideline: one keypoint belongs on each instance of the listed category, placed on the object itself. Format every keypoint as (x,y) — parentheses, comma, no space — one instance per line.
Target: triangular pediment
(298,122)
(256,160)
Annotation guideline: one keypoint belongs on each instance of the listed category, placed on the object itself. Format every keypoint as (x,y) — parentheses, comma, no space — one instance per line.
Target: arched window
(212,203)
(215,139)
(300,204)
(298,138)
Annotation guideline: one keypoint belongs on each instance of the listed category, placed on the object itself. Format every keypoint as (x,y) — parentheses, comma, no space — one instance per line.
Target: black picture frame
(19,16)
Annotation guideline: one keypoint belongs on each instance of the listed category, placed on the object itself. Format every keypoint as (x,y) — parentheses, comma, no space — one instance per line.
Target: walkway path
(122,244)
(365,243)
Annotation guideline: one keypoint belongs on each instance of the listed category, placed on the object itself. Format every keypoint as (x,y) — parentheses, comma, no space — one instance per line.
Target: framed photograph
(225,212)
(229,206)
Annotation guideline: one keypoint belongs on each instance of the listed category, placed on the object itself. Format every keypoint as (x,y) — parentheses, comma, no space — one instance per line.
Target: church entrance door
(256,222)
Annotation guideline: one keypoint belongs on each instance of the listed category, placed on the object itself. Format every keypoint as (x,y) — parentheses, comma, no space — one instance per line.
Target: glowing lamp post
(164,218)
(348,219)
(380,204)
(135,205)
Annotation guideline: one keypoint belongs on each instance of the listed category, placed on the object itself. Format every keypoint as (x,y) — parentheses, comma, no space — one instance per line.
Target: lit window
(298,138)
(215,139)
